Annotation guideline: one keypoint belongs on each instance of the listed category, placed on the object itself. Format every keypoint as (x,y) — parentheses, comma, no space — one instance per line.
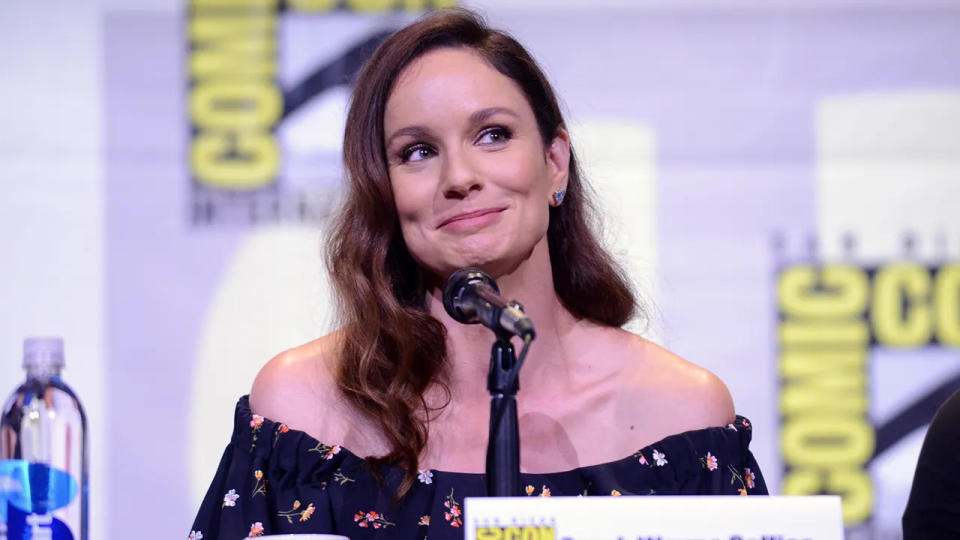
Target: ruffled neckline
(245,420)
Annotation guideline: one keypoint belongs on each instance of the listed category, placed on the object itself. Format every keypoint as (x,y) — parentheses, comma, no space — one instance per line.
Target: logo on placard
(839,322)
(241,95)
(516,532)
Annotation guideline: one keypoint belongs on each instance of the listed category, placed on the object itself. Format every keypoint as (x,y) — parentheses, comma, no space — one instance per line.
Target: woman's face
(471,177)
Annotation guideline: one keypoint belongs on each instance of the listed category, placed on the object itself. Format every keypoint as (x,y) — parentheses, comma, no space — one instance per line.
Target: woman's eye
(417,152)
(494,135)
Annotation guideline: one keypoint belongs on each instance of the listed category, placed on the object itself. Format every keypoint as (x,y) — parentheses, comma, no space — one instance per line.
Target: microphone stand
(503,442)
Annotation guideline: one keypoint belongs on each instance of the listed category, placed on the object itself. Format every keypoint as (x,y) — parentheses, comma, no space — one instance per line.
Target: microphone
(471,296)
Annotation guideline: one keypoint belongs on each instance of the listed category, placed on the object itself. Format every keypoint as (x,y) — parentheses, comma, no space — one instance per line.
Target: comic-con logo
(236,101)
(833,317)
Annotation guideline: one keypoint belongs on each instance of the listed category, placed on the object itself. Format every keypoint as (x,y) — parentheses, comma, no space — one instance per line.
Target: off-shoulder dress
(277,480)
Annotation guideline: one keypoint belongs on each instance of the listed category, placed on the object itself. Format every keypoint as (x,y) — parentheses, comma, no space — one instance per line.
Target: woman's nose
(459,175)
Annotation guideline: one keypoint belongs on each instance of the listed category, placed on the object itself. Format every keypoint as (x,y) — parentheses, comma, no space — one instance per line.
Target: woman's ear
(558,165)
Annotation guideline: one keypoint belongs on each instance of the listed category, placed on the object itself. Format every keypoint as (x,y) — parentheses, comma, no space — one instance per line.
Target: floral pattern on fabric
(341,478)
(453,512)
(295,511)
(266,478)
(371,519)
(530,490)
(425,476)
(281,429)
(230,498)
(710,462)
(256,421)
(260,488)
(326,451)
(745,480)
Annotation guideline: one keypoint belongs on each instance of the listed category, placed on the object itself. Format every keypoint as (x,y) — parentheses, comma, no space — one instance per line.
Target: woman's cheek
(410,198)
(525,173)
(413,205)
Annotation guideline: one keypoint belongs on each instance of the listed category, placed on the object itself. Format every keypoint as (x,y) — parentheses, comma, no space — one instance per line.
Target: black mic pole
(471,296)
(503,442)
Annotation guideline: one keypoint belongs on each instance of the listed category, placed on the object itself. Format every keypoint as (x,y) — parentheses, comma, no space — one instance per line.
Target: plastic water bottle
(43,456)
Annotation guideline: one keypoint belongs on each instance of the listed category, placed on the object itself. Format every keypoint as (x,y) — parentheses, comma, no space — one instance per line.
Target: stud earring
(558,195)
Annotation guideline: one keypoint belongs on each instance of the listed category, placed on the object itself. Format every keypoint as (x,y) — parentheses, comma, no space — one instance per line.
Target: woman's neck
(531,284)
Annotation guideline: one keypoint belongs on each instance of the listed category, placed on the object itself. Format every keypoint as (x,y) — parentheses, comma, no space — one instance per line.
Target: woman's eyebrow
(412,131)
(484,114)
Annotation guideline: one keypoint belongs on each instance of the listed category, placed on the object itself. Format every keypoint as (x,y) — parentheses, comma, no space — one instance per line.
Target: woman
(458,156)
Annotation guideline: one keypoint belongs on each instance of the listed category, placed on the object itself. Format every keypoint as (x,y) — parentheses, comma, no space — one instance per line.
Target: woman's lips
(474,219)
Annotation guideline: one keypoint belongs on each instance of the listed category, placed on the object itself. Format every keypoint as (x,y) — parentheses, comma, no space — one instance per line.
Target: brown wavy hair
(392,349)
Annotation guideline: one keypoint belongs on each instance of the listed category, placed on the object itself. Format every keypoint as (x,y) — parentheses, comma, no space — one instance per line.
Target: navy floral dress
(276,480)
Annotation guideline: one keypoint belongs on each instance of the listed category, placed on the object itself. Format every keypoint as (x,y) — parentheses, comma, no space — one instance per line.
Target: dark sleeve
(933,509)
(750,464)
(271,480)
(711,461)
(216,518)
(730,468)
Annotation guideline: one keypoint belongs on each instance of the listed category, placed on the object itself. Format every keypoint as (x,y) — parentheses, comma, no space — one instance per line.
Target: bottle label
(29,494)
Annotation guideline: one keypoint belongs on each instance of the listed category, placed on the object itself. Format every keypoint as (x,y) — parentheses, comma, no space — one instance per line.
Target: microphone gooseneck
(471,296)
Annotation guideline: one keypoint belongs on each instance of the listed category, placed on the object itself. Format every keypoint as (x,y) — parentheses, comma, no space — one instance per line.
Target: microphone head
(453,292)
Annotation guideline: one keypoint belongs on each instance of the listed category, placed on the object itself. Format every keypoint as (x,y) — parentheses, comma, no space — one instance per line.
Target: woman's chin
(476,251)
(494,266)
(491,265)
(494,254)
(483,263)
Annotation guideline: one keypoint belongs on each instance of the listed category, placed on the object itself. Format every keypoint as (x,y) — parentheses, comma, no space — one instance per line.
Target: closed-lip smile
(469,215)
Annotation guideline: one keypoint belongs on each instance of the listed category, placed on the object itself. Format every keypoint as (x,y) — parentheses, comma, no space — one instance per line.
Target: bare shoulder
(684,395)
(297,387)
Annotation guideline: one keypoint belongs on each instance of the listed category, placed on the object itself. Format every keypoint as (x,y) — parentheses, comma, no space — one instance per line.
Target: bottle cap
(43,352)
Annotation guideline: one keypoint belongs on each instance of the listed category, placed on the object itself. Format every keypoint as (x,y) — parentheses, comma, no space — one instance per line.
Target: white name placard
(654,518)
